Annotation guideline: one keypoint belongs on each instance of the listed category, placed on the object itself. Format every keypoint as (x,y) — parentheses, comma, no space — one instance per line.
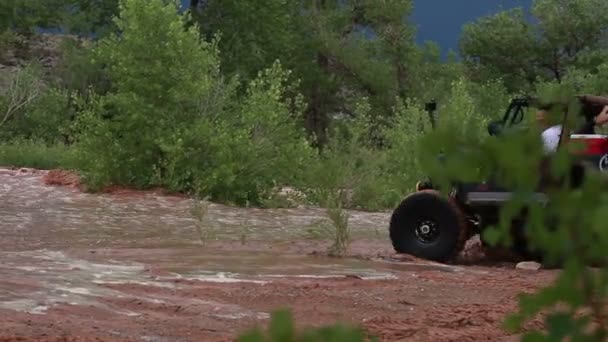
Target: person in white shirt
(551,133)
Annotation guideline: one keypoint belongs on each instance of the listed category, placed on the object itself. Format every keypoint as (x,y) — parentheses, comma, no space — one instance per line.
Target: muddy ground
(132,266)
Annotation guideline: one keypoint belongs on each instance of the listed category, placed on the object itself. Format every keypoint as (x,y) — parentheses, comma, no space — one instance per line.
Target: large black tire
(428,226)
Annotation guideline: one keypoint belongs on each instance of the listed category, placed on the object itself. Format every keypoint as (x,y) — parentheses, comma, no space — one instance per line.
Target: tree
(24,87)
(90,16)
(339,50)
(162,77)
(169,118)
(502,45)
(73,16)
(252,36)
(571,32)
(24,16)
(568,34)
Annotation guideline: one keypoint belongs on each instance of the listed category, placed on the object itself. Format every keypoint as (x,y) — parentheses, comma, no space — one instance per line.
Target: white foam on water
(128,313)
(76,290)
(256,315)
(75,282)
(362,276)
(135,282)
(220,277)
(312,276)
(25,305)
(29,268)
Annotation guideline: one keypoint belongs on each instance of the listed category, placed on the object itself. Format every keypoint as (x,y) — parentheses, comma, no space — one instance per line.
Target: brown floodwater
(138,266)
(60,245)
(38,216)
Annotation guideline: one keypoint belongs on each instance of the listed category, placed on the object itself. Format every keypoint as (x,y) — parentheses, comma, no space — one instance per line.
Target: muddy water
(61,246)
(132,266)
(37,216)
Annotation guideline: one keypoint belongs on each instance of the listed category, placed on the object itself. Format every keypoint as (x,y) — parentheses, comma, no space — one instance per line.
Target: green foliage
(252,36)
(47,119)
(569,230)
(322,43)
(222,156)
(501,45)
(402,168)
(378,178)
(432,76)
(569,33)
(24,16)
(24,87)
(161,76)
(36,154)
(90,16)
(195,134)
(282,329)
(77,71)
(74,16)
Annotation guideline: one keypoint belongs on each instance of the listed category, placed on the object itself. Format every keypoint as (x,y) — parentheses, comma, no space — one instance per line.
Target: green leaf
(534,336)
(281,326)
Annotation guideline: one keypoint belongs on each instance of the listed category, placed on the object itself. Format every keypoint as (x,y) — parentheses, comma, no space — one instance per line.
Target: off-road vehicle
(429,225)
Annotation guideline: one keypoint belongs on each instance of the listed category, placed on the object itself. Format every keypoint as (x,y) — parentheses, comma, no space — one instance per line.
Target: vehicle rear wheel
(428,226)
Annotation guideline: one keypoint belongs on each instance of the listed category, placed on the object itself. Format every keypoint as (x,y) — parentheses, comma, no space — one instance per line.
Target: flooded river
(59,244)
(140,266)
(38,216)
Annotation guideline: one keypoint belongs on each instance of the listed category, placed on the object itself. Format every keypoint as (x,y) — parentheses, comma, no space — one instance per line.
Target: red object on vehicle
(591,143)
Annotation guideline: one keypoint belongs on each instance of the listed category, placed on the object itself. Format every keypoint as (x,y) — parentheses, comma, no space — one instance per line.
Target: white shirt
(551,138)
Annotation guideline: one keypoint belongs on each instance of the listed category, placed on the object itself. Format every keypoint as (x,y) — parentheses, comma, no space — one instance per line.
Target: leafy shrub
(47,119)
(282,329)
(170,119)
(491,98)
(402,168)
(346,164)
(35,154)
(77,70)
(161,74)
(24,87)
(244,154)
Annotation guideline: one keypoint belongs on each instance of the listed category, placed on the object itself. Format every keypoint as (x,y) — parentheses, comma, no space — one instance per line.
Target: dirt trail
(130,267)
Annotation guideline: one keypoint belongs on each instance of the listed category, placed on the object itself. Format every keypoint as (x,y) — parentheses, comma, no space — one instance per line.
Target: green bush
(161,76)
(379,177)
(282,329)
(272,149)
(37,155)
(24,88)
(77,70)
(48,119)
(170,119)
(402,168)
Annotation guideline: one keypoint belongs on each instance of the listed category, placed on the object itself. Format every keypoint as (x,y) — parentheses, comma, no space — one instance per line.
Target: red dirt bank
(71,179)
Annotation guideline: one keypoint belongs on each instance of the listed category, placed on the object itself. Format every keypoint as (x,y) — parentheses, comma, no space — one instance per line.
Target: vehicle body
(431,226)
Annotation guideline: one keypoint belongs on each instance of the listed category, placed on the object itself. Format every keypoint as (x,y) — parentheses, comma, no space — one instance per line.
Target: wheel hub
(427,231)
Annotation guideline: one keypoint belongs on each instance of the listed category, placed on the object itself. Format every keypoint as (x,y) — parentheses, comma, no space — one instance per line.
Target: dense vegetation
(232,100)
